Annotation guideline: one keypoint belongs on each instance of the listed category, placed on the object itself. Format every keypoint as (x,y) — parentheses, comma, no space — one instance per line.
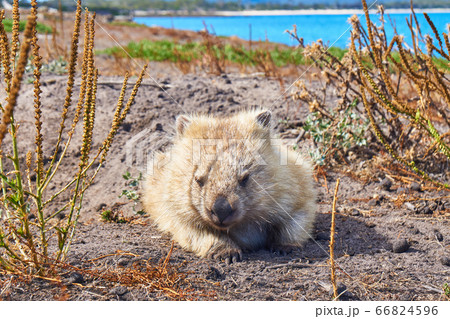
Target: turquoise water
(332,29)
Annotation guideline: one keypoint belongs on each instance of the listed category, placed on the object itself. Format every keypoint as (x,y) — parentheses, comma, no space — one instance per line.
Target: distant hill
(122,7)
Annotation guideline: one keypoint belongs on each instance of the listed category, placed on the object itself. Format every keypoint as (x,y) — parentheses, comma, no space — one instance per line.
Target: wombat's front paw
(281,249)
(229,254)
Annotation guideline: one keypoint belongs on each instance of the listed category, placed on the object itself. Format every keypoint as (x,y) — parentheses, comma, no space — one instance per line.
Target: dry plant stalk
(430,85)
(332,233)
(214,59)
(403,93)
(24,242)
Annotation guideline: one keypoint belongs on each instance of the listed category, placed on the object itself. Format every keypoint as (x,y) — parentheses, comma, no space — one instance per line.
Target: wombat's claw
(229,255)
(281,250)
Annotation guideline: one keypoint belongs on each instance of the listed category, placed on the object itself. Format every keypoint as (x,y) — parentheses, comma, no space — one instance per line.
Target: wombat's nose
(221,208)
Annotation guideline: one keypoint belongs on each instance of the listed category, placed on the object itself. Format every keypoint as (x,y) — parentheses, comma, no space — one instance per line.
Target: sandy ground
(373,219)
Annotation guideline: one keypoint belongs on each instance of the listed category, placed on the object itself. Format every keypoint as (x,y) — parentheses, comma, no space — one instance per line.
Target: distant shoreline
(323,12)
(245,13)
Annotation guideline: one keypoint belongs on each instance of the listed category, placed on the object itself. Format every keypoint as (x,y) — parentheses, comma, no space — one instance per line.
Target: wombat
(225,187)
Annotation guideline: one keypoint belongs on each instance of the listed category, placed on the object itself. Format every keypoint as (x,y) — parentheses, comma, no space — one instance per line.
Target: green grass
(165,50)
(127,24)
(40,27)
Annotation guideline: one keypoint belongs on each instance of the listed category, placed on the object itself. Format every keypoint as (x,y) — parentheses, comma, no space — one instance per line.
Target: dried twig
(332,233)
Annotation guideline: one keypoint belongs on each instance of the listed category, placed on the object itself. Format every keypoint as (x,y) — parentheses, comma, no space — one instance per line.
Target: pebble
(386,184)
(123,262)
(410,206)
(323,236)
(438,235)
(445,261)
(214,274)
(158,127)
(400,246)
(355,212)
(100,207)
(342,292)
(75,278)
(415,187)
(119,291)
(127,126)
(373,202)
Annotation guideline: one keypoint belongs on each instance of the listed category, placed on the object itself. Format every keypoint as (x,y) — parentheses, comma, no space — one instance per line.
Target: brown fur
(273,204)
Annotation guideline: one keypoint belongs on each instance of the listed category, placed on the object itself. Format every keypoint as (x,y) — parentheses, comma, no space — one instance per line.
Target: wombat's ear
(182,123)
(263,118)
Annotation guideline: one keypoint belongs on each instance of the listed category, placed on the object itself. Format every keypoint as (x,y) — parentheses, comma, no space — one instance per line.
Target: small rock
(75,278)
(214,274)
(415,187)
(158,127)
(119,291)
(100,207)
(410,206)
(438,235)
(123,262)
(323,236)
(401,190)
(373,202)
(126,126)
(445,261)
(386,184)
(355,212)
(400,246)
(341,291)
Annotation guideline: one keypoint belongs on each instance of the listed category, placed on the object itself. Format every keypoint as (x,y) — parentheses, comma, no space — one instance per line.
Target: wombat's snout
(221,210)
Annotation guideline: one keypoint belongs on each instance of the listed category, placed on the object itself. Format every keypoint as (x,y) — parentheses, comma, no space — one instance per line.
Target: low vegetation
(36,225)
(403,93)
(40,27)
(166,50)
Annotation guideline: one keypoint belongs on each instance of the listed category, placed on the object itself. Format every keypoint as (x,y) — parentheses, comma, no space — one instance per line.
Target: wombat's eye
(200,180)
(244,179)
